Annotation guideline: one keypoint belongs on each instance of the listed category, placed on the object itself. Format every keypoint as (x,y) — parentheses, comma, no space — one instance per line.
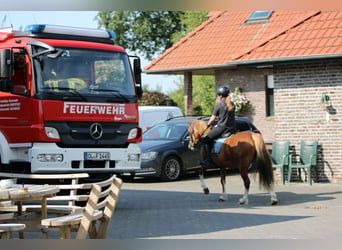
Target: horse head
(196,130)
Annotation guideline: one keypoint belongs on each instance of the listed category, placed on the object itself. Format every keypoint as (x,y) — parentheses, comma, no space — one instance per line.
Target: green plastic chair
(280,157)
(307,159)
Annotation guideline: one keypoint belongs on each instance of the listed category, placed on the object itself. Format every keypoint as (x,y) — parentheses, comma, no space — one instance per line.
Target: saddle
(219,141)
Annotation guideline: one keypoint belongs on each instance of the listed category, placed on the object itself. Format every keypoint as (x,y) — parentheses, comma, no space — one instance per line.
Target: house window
(257,16)
(269,95)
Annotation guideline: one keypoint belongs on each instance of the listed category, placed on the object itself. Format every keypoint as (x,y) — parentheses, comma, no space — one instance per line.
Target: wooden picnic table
(17,194)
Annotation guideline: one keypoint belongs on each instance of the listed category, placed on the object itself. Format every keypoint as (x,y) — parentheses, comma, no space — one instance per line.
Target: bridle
(193,142)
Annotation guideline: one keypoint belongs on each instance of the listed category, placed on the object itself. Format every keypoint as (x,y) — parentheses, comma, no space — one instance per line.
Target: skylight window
(259,16)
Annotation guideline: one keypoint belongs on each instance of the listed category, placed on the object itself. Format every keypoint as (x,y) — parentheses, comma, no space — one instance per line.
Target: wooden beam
(188,93)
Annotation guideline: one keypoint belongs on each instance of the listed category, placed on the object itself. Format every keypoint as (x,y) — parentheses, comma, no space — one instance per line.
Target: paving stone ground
(150,209)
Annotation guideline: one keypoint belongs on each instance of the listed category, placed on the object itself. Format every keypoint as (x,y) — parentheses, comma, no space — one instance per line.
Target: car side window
(158,132)
(242,126)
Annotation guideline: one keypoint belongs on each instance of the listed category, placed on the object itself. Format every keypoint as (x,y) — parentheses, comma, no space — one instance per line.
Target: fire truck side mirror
(6,63)
(137,76)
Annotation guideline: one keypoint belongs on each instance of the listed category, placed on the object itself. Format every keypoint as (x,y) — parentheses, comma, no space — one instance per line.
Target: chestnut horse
(245,151)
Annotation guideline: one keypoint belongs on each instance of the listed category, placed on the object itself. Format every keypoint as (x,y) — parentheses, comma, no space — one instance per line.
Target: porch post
(188,93)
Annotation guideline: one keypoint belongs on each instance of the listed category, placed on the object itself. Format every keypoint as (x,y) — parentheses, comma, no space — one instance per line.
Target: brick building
(288,63)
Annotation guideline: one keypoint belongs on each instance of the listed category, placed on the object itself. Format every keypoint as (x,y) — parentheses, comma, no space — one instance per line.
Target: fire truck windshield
(85,75)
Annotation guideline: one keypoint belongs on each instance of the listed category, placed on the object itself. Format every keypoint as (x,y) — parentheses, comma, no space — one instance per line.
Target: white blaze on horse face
(192,143)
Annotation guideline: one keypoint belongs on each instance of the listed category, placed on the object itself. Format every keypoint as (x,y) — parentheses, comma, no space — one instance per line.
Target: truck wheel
(171,169)
(127,177)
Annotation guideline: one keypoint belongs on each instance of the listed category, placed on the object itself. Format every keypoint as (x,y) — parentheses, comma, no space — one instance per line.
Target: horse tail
(263,162)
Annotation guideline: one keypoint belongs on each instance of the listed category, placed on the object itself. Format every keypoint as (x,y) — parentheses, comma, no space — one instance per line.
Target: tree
(155,98)
(178,95)
(149,32)
(190,20)
(203,95)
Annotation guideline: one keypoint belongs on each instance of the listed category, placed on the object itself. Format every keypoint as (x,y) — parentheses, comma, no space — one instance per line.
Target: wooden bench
(7,229)
(94,220)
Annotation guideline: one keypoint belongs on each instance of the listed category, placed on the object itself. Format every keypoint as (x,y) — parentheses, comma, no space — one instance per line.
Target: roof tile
(225,37)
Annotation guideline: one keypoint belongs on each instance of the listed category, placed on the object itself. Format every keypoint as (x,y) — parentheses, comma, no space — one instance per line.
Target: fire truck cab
(68,101)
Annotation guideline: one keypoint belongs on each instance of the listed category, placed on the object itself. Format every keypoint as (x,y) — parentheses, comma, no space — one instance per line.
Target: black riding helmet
(223,90)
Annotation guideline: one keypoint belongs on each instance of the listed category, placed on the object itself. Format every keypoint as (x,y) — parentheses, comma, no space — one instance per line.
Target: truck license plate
(96,156)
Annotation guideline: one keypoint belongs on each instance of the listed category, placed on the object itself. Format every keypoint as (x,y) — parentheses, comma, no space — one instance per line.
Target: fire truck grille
(92,164)
(92,134)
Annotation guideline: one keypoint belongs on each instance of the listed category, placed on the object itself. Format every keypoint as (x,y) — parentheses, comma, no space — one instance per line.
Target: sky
(85,19)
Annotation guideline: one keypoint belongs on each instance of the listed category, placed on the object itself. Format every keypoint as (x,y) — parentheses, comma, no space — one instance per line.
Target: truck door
(15,101)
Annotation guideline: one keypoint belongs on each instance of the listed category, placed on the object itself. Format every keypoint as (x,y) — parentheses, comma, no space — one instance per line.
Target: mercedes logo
(96,131)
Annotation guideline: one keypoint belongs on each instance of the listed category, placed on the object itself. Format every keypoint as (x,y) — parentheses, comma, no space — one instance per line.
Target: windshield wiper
(68,90)
(76,94)
(116,93)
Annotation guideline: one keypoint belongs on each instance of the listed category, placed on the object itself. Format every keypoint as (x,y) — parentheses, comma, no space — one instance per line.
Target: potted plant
(242,104)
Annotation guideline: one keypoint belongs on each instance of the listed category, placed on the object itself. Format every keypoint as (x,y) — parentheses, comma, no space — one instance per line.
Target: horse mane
(230,105)
(200,126)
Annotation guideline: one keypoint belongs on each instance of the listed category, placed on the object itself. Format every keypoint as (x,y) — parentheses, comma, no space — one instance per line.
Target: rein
(204,131)
(193,131)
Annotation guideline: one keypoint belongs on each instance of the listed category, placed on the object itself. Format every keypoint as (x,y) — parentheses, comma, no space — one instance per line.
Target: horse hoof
(274,203)
(223,198)
(206,190)
(243,202)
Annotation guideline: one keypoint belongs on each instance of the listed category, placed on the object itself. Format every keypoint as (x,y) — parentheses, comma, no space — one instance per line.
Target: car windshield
(84,74)
(165,131)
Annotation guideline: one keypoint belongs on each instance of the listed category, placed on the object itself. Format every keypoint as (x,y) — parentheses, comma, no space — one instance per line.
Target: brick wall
(252,81)
(299,113)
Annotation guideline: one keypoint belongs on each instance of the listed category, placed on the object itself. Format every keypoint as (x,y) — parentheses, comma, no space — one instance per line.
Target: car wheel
(171,169)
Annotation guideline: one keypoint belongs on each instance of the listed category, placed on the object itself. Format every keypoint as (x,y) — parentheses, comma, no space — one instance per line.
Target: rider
(224,110)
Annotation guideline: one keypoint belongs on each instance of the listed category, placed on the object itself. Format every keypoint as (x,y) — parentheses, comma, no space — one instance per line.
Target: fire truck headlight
(50,157)
(51,133)
(132,134)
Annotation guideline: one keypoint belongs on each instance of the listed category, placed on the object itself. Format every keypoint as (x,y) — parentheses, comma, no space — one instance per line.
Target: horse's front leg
(223,196)
(201,176)
(244,198)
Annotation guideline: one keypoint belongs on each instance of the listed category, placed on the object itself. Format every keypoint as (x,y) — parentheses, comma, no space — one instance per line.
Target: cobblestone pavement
(149,209)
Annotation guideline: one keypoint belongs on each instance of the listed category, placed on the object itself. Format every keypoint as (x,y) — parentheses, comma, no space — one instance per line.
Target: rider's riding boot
(207,161)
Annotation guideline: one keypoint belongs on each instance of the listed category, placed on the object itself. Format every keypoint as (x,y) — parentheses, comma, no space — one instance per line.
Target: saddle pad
(217,144)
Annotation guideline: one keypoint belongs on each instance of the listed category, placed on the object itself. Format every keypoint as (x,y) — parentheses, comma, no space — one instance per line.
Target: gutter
(185,69)
(283,60)
(246,63)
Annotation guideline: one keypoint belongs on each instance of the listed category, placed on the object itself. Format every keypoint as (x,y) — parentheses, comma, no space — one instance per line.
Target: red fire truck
(68,101)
